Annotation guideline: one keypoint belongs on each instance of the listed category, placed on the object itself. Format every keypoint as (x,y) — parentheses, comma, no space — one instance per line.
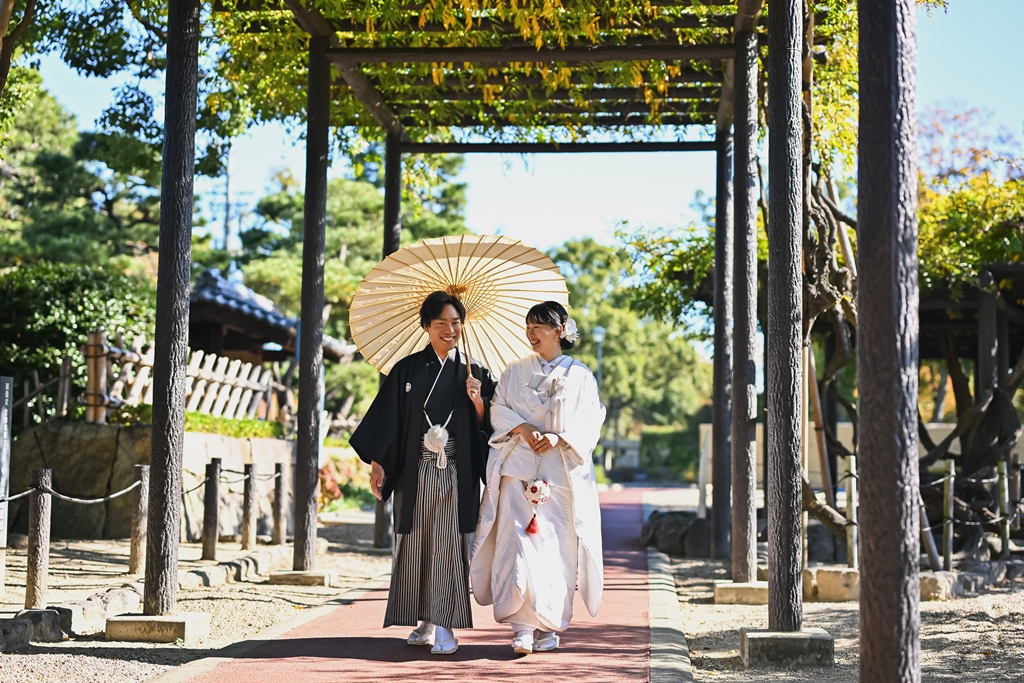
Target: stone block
(840,584)
(811,647)
(321,546)
(17,541)
(810,584)
(45,625)
(80,617)
(1014,570)
(972,582)
(145,629)
(217,575)
(939,586)
(667,531)
(698,539)
(295,578)
(992,570)
(731,593)
(17,633)
(189,580)
(762,572)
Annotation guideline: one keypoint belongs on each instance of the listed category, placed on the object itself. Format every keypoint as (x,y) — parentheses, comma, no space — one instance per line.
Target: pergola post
(181,97)
(988,338)
(722,398)
(311,353)
(383,526)
(887,343)
(744,392)
(784,374)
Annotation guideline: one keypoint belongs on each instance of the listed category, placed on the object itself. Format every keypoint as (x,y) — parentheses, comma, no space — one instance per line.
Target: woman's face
(544,339)
(444,332)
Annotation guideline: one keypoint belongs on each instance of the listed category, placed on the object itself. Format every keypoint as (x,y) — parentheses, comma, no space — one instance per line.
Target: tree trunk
(744,392)
(172,292)
(887,344)
(311,322)
(721,404)
(785,300)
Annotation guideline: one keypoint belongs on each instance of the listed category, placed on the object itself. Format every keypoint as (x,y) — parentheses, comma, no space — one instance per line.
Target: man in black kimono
(425,436)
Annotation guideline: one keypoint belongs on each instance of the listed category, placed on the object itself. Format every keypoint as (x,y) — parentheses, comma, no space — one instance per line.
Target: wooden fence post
(211,510)
(249,508)
(280,521)
(140,515)
(1004,511)
(38,561)
(64,387)
(947,517)
(852,530)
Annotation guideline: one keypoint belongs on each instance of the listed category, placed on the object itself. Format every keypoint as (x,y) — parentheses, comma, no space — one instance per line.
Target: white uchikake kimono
(531,578)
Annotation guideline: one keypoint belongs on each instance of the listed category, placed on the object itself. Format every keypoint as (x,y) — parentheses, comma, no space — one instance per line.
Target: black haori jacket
(391,434)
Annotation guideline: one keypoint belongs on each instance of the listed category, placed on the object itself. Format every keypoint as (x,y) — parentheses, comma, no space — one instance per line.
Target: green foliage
(91,198)
(49,309)
(194,422)
(671,452)
(650,373)
(971,198)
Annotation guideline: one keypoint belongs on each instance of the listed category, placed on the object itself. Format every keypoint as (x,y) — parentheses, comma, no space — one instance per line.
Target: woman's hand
(376,478)
(546,443)
(529,434)
(473,386)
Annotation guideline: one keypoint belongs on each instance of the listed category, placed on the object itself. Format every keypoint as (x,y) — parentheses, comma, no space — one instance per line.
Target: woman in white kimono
(528,559)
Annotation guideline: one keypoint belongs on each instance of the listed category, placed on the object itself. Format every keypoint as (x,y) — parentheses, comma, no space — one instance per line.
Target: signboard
(6,403)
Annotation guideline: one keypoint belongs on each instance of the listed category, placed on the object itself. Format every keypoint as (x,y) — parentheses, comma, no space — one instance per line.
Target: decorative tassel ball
(435,440)
(537,491)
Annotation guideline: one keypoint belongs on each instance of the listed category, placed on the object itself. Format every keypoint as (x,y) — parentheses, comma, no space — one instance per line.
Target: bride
(539,535)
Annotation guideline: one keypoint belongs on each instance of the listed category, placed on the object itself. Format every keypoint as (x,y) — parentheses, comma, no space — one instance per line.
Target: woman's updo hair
(553,314)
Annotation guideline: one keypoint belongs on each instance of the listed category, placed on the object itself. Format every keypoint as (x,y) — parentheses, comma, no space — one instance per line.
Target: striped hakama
(429,573)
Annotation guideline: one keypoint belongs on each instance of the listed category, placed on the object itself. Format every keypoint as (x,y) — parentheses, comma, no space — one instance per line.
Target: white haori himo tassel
(435,440)
(556,412)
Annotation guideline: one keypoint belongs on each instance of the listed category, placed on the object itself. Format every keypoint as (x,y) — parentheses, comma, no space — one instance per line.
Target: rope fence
(42,493)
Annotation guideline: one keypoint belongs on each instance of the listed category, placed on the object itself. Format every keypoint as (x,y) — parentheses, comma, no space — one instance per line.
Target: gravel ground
(977,639)
(237,611)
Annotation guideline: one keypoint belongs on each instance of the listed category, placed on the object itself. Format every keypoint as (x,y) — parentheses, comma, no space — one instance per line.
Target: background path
(347,643)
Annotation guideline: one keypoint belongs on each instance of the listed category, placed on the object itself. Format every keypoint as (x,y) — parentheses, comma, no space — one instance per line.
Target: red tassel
(532,527)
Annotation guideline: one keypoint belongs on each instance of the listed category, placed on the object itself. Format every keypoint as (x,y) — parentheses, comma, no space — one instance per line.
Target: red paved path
(348,644)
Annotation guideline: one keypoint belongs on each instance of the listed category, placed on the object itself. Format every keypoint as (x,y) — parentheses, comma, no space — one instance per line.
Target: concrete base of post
(732,593)
(140,628)
(811,647)
(297,578)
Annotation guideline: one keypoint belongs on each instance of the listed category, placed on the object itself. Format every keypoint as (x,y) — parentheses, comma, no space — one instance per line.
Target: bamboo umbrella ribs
(496,278)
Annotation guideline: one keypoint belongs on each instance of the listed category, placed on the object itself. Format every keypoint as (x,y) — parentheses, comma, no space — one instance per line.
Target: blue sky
(970,55)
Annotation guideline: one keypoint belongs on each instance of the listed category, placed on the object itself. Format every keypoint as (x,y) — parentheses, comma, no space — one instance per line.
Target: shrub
(670,452)
(345,484)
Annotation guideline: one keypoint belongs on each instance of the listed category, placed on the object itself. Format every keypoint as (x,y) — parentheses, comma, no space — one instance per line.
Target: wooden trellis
(214,385)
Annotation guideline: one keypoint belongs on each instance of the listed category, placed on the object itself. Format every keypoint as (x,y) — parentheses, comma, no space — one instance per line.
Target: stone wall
(95,460)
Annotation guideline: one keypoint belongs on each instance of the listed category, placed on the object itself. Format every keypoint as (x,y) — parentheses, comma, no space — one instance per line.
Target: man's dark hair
(434,305)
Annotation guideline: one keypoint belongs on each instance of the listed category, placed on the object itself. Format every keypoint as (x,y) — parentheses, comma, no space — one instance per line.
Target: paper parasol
(496,278)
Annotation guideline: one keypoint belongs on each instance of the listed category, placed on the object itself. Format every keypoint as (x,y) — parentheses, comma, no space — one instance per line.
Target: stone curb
(670,656)
(252,567)
(30,626)
(89,616)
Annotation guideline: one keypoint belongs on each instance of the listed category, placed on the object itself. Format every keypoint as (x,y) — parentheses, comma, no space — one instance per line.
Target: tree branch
(136,11)
(10,40)
(825,514)
(961,385)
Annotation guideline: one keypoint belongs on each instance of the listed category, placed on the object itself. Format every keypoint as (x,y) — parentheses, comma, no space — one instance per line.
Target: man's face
(444,332)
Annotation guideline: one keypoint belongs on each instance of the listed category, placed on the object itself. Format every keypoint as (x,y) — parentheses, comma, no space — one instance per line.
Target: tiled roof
(212,287)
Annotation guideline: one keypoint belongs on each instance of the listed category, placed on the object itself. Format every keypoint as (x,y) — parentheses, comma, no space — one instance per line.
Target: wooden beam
(686,78)
(554,147)
(541,95)
(701,107)
(610,121)
(569,55)
(489,25)
(316,25)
